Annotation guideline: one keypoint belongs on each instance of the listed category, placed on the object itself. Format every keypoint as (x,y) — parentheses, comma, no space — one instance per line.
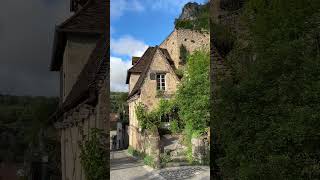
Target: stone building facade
(155,72)
(80,54)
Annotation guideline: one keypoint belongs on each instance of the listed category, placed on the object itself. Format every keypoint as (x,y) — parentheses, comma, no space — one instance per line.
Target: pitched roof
(145,64)
(141,63)
(90,20)
(86,83)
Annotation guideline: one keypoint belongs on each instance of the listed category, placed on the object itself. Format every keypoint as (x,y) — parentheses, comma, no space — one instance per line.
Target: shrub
(164,159)
(130,150)
(174,126)
(94,155)
(148,160)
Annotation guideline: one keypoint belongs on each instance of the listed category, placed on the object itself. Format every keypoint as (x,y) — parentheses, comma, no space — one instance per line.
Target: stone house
(80,53)
(155,72)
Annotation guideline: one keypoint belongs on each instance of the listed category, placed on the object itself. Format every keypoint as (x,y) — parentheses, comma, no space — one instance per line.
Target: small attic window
(152,76)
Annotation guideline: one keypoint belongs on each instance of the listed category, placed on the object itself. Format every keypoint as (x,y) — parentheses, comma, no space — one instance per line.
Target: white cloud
(128,46)
(118,74)
(118,7)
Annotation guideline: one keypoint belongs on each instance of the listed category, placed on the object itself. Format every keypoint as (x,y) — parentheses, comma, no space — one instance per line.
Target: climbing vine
(94,155)
(166,111)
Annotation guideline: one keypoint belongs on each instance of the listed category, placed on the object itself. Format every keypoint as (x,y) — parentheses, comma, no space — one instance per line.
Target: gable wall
(76,55)
(192,40)
(149,88)
(170,43)
(133,80)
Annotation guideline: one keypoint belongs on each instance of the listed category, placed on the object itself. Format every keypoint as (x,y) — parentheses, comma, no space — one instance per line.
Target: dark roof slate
(90,20)
(141,63)
(86,84)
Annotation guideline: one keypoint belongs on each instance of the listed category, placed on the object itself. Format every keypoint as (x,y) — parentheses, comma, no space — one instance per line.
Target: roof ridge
(76,14)
(139,60)
(141,77)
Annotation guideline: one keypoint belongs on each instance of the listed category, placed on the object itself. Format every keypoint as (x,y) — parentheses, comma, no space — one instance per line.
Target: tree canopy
(266,115)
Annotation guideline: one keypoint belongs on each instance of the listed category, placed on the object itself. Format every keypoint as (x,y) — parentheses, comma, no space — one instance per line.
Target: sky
(136,25)
(27,31)
(26,34)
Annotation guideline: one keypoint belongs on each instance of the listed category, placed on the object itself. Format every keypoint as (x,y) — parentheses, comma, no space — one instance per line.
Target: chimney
(135,60)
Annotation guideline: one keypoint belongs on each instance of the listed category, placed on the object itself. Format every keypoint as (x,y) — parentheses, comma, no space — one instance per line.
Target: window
(161,83)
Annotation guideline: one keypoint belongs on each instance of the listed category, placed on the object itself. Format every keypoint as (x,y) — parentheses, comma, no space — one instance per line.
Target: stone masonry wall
(81,120)
(192,40)
(133,80)
(149,89)
(77,52)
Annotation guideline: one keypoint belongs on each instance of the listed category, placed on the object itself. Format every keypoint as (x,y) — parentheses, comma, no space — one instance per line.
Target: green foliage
(231,5)
(183,24)
(223,38)
(174,126)
(183,54)
(164,159)
(160,93)
(266,114)
(149,161)
(118,102)
(165,111)
(130,150)
(179,72)
(21,120)
(192,96)
(94,155)
(147,120)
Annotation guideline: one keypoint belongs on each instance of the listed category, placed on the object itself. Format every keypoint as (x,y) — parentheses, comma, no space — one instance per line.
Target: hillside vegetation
(266,114)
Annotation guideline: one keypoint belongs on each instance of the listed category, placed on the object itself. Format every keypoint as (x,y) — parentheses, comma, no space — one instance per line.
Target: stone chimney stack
(135,60)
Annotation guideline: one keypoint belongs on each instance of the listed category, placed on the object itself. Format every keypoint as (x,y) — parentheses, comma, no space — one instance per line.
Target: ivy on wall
(94,155)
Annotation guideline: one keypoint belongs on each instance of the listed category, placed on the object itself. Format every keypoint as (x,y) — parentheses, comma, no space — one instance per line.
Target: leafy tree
(266,114)
(192,96)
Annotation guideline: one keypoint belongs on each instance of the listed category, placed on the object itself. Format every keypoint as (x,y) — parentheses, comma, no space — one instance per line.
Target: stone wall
(148,94)
(200,149)
(77,52)
(133,80)
(81,119)
(192,40)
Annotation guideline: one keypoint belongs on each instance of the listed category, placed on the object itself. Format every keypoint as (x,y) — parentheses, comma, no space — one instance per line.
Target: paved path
(124,167)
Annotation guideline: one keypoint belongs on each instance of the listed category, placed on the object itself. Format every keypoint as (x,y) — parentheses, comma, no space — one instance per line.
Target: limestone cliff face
(190,11)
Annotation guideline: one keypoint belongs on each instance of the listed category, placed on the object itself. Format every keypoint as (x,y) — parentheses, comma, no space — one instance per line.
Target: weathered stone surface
(200,148)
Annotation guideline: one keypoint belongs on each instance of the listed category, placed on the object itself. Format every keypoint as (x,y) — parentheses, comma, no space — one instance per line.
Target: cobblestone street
(124,167)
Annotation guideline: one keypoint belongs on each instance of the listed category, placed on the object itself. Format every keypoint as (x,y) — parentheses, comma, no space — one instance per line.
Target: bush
(223,38)
(94,155)
(148,160)
(164,159)
(267,114)
(174,126)
(131,150)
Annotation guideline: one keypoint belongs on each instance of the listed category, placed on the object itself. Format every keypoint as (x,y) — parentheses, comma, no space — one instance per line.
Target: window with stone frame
(161,82)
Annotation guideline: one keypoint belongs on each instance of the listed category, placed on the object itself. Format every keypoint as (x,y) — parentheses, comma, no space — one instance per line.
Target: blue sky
(135,25)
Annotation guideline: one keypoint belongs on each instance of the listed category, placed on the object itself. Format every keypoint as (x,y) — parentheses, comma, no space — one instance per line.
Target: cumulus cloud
(118,74)
(128,46)
(119,7)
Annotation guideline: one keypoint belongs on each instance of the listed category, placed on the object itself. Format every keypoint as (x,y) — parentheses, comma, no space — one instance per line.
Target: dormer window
(161,82)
